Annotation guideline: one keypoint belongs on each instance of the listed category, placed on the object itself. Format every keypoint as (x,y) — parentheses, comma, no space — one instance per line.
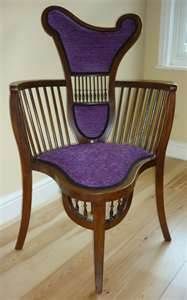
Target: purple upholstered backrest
(91,120)
(87,48)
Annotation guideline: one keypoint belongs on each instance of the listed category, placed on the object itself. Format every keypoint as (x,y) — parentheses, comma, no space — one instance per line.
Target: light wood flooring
(57,259)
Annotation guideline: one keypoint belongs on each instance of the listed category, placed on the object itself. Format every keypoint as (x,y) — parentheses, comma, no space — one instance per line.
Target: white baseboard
(177,150)
(44,191)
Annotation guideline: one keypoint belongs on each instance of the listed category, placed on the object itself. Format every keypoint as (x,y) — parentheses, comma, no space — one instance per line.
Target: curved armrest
(25,84)
(147,84)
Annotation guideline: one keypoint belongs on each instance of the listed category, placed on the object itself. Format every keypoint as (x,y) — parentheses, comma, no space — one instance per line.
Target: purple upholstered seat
(96,165)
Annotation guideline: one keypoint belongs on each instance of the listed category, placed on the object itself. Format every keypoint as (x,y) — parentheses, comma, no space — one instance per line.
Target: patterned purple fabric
(95,165)
(89,50)
(91,120)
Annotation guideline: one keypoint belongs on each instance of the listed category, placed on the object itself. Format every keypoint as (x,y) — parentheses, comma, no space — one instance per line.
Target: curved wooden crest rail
(138,113)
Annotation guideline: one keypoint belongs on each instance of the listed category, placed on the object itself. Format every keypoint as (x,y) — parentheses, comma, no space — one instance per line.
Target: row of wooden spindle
(140,115)
(113,208)
(90,89)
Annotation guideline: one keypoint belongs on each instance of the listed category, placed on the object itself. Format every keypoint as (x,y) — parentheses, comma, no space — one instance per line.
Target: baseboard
(177,150)
(44,191)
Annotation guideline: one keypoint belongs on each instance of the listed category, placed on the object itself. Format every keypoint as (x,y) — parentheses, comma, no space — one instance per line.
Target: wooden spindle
(37,118)
(151,119)
(51,119)
(145,117)
(139,117)
(117,123)
(111,209)
(34,130)
(101,84)
(126,122)
(44,118)
(131,115)
(86,89)
(57,117)
(98,92)
(77,205)
(85,211)
(105,89)
(119,205)
(63,116)
(79,89)
(27,127)
(161,120)
(75,88)
(82,89)
(90,89)
(94,89)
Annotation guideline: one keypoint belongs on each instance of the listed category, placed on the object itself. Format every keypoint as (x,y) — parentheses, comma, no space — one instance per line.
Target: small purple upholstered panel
(91,120)
(89,50)
(95,165)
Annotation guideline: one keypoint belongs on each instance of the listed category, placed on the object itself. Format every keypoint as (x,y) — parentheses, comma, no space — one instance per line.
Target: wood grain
(57,260)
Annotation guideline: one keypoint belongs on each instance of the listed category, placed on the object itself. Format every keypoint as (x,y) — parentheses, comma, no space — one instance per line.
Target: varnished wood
(99,241)
(26,209)
(90,89)
(159,186)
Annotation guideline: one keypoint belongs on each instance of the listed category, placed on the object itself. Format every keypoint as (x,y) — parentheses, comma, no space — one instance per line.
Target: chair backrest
(90,57)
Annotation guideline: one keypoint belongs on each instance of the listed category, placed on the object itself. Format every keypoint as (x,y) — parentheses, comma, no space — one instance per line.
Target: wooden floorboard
(57,259)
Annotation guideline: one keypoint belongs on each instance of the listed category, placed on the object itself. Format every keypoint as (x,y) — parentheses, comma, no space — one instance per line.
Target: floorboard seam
(173,278)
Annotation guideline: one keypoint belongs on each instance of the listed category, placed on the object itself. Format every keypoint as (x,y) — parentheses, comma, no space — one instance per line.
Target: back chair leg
(26,210)
(99,240)
(159,184)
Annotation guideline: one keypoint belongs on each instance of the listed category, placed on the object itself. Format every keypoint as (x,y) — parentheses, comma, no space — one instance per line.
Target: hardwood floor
(57,259)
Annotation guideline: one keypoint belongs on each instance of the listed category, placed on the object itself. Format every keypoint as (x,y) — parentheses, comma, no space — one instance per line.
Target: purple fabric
(89,50)
(95,165)
(91,120)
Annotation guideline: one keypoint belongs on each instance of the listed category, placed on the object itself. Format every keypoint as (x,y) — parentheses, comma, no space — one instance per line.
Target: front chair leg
(26,209)
(99,239)
(159,183)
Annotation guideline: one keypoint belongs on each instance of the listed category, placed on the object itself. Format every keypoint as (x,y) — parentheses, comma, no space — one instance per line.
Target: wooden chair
(92,134)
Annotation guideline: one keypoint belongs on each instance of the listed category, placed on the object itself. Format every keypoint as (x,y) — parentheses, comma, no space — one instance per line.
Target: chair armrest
(154,84)
(19,85)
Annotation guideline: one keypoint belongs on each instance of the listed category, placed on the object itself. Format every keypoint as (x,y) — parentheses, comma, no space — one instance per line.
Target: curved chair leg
(159,182)
(99,239)
(26,210)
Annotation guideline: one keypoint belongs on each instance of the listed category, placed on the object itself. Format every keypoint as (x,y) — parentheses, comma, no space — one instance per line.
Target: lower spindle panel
(82,211)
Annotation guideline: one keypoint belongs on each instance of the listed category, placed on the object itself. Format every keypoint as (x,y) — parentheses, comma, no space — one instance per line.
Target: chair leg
(99,240)
(159,183)
(26,210)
